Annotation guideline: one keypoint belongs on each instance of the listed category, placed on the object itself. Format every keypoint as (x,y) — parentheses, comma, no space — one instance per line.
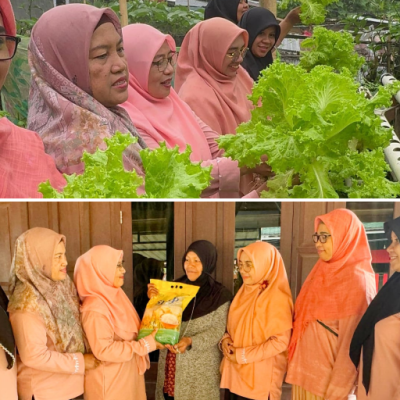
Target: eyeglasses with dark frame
(163,64)
(322,238)
(234,55)
(8,46)
(245,267)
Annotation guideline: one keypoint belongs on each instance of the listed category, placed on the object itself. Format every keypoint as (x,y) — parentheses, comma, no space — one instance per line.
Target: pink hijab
(167,120)
(23,162)
(61,107)
(220,101)
(94,278)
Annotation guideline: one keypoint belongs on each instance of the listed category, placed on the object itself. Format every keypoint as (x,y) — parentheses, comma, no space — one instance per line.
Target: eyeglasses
(321,238)
(8,46)
(245,267)
(237,53)
(163,64)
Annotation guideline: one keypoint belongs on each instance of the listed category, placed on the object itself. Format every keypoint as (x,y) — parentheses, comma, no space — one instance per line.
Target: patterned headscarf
(61,108)
(33,290)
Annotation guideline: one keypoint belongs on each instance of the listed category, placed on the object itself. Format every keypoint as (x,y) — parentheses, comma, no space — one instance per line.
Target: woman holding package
(8,365)
(331,302)
(259,327)
(74,95)
(111,324)
(377,335)
(23,161)
(203,324)
(44,314)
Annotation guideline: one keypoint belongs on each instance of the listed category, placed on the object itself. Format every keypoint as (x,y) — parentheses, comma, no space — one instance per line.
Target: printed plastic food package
(164,311)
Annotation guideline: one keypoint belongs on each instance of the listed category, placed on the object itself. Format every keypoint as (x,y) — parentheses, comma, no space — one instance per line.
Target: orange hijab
(218,100)
(94,277)
(261,310)
(341,287)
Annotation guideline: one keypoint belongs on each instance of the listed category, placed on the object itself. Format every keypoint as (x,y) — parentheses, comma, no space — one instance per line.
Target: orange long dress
(117,378)
(385,371)
(321,364)
(43,372)
(270,362)
(8,378)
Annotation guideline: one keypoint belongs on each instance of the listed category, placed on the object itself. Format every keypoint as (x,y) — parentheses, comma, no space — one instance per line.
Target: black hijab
(222,8)
(254,22)
(6,333)
(212,294)
(385,304)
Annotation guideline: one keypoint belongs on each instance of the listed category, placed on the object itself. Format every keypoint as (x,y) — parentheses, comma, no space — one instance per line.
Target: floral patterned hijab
(33,290)
(61,108)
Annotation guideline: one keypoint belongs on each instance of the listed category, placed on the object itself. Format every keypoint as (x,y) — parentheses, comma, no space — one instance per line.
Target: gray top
(197,370)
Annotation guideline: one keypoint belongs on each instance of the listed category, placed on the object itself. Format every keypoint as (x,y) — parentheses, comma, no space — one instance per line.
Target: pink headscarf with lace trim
(61,107)
(220,101)
(167,120)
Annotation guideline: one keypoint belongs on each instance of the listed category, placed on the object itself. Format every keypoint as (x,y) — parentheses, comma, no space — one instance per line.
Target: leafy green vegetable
(312,11)
(335,49)
(316,127)
(169,174)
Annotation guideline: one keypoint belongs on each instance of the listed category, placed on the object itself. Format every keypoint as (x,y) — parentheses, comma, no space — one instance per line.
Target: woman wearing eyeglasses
(23,162)
(259,327)
(331,302)
(161,116)
(376,341)
(210,79)
(209,76)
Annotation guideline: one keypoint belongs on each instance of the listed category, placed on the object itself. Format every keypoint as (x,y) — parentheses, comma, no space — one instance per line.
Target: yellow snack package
(164,311)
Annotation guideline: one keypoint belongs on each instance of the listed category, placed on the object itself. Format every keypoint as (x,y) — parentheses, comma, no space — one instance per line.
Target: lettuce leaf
(335,49)
(168,174)
(316,127)
(313,12)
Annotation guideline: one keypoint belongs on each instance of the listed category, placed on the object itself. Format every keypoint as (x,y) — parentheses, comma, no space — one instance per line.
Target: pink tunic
(43,372)
(8,379)
(321,363)
(23,163)
(385,371)
(117,378)
(270,361)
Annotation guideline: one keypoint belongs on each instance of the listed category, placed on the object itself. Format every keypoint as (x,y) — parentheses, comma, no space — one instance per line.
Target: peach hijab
(341,287)
(167,120)
(33,290)
(94,278)
(220,101)
(261,310)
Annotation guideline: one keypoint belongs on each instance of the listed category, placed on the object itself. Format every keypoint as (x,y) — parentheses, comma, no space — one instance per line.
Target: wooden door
(213,221)
(85,224)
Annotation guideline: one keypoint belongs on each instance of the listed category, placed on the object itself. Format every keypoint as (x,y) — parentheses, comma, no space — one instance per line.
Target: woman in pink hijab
(79,77)
(161,116)
(111,325)
(209,76)
(23,162)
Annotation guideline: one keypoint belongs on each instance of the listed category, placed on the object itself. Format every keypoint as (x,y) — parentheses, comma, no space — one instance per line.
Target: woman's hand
(91,362)
(159,346)
(232,355)
(226,345)
(293,17)
(180,347)
(151,290)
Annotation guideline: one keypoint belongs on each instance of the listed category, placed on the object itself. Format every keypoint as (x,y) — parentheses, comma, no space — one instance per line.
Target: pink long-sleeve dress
(43,372)
(118,377)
